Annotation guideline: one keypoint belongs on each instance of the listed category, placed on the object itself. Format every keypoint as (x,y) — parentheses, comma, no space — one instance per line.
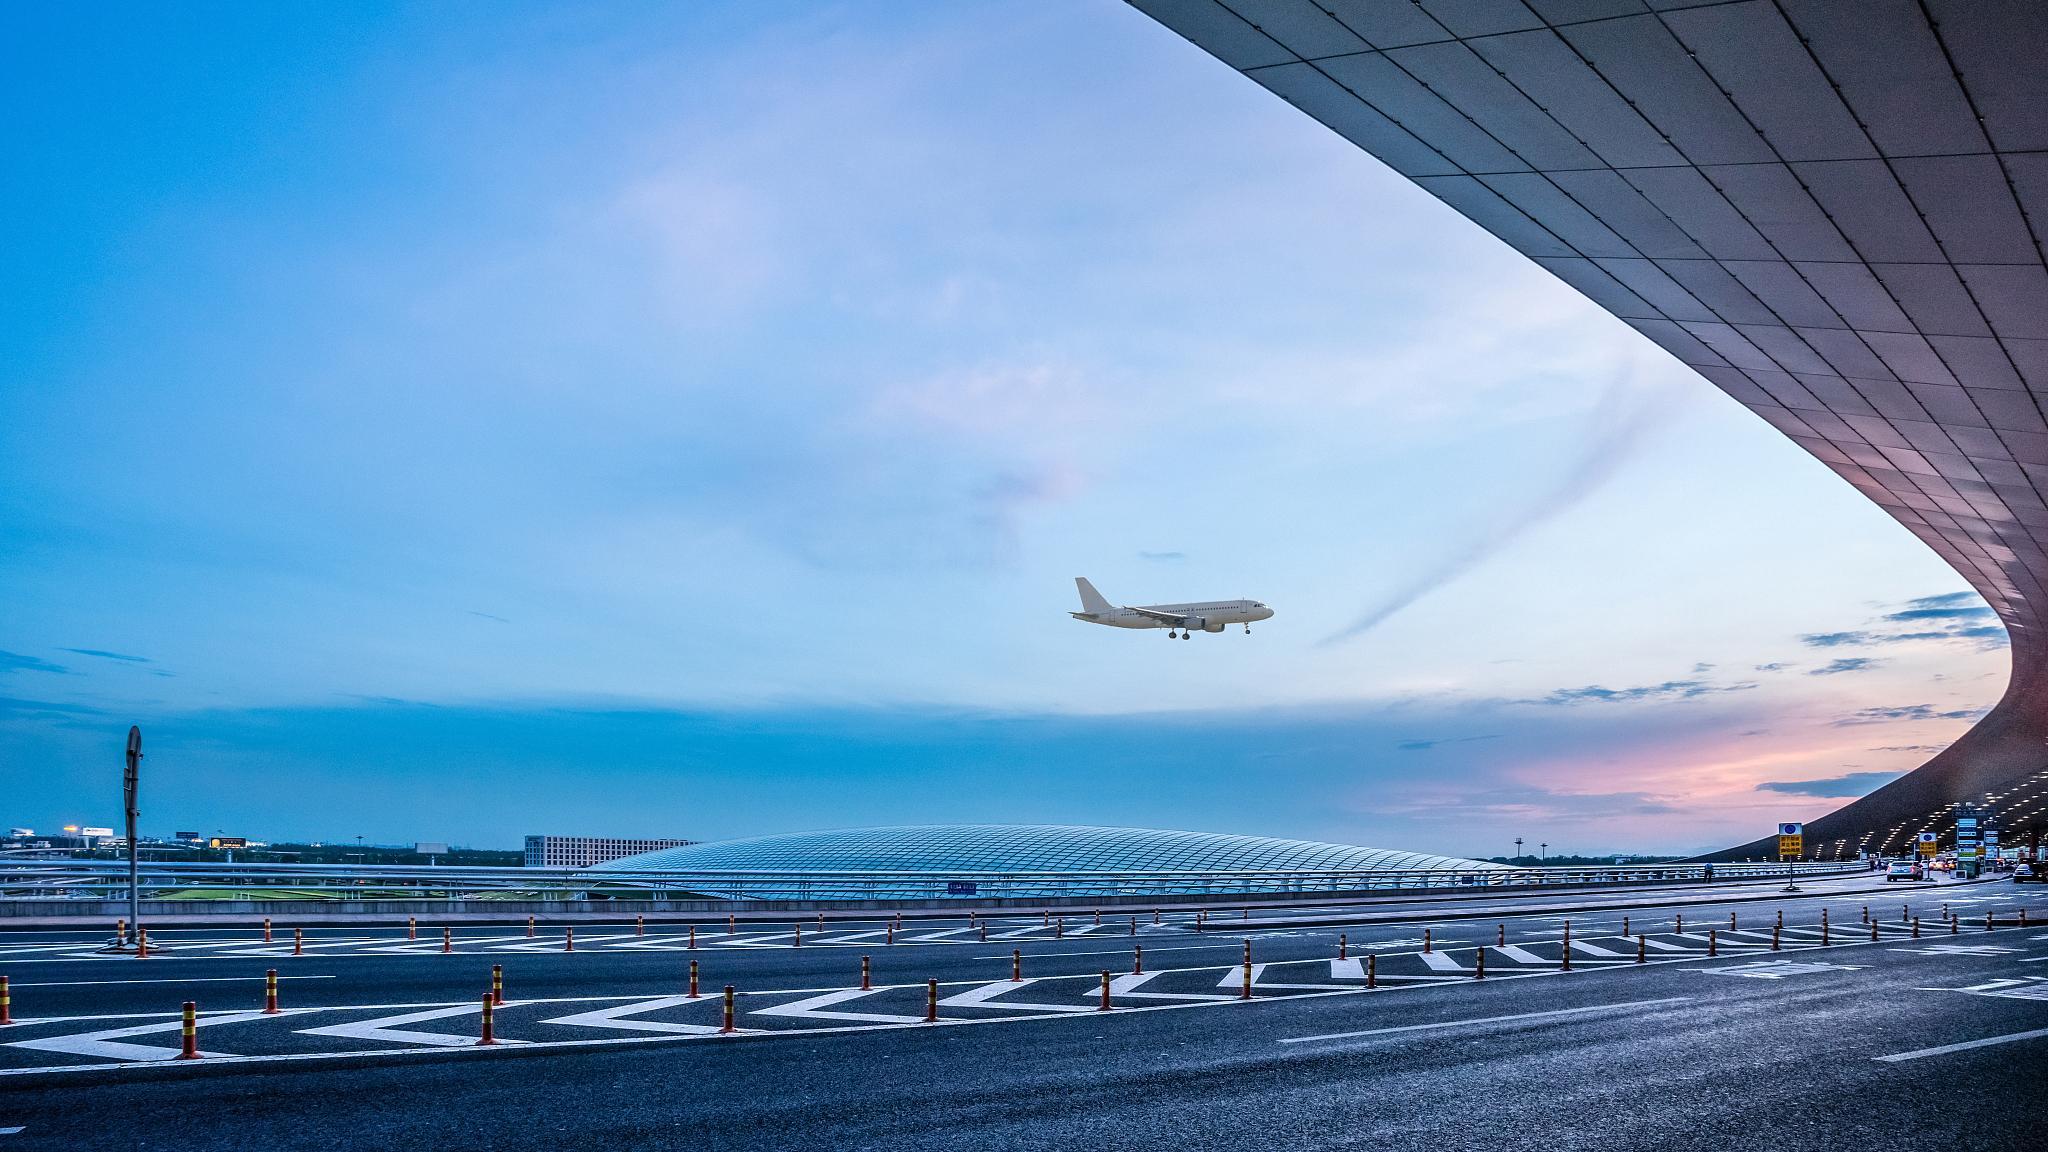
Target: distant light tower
(1518,847)
(131,780)
(1544,849)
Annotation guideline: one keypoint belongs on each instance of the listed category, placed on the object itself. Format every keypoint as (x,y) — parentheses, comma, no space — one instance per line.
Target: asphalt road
(1682,1050)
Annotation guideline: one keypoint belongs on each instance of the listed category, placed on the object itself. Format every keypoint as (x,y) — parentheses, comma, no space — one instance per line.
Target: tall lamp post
(1544,850)
(131,779)
(1518,847)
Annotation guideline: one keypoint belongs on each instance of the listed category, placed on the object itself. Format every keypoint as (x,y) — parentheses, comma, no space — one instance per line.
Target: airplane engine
(1211,626)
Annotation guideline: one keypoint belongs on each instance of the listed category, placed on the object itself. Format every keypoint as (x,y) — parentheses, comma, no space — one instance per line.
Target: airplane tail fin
(1091,601)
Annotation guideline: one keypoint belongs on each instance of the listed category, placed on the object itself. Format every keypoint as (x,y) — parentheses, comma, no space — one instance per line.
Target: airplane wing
(1162,617)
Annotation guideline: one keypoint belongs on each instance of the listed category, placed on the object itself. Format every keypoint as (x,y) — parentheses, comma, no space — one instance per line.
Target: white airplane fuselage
(1199,616)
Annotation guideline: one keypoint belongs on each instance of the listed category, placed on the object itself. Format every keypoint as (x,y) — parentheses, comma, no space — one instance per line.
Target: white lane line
(985,997)
(1945,1049)
(186,980)
(1584,948)
(816,1008)
(1651,943)
(1347,970)
(16,1130)
(382,1028)
(1554,1013)
(615,1017)
(1438,962)
(106,1043)
(1521,955)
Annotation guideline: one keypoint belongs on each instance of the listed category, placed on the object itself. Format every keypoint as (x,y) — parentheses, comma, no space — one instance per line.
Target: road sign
(228,842)
(1929,844)
(1791,841)
(95,831)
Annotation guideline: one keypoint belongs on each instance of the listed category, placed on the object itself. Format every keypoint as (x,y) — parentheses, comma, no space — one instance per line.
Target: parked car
(1901,870)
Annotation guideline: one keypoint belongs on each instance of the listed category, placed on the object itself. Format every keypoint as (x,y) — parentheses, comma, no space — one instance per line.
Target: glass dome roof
(990,850)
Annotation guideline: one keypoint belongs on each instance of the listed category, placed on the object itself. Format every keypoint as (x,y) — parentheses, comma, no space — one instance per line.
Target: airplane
(1182,620)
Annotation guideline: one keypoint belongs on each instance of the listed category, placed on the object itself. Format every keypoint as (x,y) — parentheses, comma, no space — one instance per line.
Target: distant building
(578,851)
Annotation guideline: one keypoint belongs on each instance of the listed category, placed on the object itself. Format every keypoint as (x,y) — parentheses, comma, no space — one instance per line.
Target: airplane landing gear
(1171,634)
(1187,635)
(1247,629)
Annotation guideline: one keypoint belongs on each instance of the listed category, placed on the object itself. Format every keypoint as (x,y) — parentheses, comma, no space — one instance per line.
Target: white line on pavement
(1491,1020)
(1945,1049)
(187,980)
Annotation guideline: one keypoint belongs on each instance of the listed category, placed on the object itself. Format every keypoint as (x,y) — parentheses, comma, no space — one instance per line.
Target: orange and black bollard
(190,1030)
(121,933)
(693,979)
(1247,971)
(728,1028)
(984,931)
(1955,924)
(891,939)
(1873,931)
(1824,927)
(1138,960)
(270,993)
(1105,991)
(1059,928)
(568,938)
(529,927)
(1774,937)
(497,983)
(1427,942)
(141,942)
(1713,943)
(639,925)
(931,1001)
(1343,946)
(447,939)
(1501,940)
(6,1003)
(693,937)
(1134,925)
(1372,969)
(412,927)
(797,940)
(1680,929)
(487,1037)
(1479,964)
(1565,964)
(1866,913)
(298,942)
(1642,949)
(1098,917)
(266,929)
(1987,921)
(1155,916)
(1781,918)
(1624,926)
(865,985)
(1905,913)
(1731,921)
(730,923)
(1016,964)
(1916,927)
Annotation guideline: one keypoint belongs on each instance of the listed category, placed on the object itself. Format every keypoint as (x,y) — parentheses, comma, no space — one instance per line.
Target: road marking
(1120,951)
(185,980)
(1957,950)
(1778,969)
(1438,962)
(985,997)
(1347,970)
(1128,985)
(1521,955)
(381,1028)
(614,1017)
(106,1043)
(1554,1013)
(814,1008)
(1595,950)
(1945,1049)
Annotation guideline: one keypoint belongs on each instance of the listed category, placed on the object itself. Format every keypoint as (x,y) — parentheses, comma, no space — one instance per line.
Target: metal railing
(105,879)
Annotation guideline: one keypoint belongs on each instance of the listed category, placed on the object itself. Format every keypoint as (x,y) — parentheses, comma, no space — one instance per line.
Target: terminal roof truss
(1832,210)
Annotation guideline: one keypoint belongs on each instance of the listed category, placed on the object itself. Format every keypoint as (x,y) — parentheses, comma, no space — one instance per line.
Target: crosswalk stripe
(1438,962)
(1128,985)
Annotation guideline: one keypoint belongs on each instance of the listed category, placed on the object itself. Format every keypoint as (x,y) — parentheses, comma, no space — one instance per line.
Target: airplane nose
(1265,613)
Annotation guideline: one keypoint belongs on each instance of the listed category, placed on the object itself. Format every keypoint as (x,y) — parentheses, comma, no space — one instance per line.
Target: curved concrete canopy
(1833,211)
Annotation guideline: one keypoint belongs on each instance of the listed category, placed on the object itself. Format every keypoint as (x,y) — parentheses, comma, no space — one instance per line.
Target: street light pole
(1518,847)
(131,780)
(1544,850)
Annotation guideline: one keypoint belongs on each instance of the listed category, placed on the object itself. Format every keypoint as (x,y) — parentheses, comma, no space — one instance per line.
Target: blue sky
(449,422)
